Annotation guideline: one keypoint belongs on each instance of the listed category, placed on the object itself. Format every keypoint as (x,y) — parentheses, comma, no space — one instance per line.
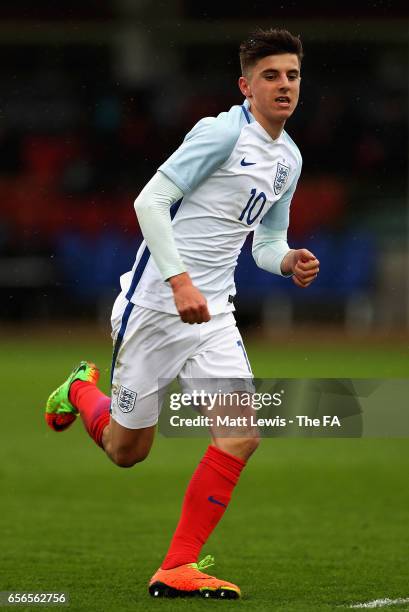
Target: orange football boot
(188,580)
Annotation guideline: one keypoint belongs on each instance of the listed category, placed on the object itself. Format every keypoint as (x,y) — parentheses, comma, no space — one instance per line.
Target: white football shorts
(151,348)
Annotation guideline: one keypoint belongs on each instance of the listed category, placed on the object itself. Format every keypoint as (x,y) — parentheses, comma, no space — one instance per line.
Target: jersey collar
(245,107)
(250,119)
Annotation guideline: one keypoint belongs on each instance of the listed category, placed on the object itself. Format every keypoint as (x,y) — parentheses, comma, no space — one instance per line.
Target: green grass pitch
(315,524)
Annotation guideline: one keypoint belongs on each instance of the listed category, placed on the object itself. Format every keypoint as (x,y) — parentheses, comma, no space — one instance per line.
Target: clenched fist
(190,303)
(303,265)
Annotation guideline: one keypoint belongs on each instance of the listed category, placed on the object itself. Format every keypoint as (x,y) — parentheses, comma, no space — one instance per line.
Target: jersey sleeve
(270,236)
(152,207)
(205,148)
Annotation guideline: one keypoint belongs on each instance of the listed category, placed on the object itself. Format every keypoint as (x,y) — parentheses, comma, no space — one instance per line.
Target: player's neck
(273,129)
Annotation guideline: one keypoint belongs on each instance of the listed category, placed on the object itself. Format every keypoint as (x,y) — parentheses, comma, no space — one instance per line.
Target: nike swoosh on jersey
(244,163)
(216,501)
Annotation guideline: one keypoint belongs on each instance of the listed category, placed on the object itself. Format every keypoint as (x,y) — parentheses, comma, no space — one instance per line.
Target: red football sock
(206,499)
(93,406)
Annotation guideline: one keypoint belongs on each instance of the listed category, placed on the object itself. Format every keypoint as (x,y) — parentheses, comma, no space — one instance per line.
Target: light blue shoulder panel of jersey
(278,217)
(205,148)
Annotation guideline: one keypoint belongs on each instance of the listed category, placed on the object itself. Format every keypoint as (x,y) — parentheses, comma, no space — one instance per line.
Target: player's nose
(283,82)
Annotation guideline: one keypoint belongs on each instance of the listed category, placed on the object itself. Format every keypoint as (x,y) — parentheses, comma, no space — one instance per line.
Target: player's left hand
(304,266)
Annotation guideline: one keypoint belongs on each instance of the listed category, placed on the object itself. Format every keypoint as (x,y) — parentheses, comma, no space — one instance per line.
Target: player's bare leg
(238,440)
(124,446)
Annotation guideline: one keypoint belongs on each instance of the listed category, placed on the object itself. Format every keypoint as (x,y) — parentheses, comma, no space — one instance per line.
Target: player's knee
(248,446)
(126,458)
(241,447)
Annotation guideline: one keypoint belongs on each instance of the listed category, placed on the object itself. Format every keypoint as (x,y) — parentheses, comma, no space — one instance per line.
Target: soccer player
(233,174)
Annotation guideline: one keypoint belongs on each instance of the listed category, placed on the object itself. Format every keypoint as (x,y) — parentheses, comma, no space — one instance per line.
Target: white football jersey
(233,176)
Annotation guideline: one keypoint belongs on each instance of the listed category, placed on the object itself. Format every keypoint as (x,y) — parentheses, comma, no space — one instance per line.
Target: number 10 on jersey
(255,204)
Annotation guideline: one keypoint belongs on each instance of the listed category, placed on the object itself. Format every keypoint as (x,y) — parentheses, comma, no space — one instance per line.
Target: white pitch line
(381,603)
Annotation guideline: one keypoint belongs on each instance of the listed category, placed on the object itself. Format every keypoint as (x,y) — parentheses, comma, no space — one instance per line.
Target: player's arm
(270,247)
(204,149)
(152,207)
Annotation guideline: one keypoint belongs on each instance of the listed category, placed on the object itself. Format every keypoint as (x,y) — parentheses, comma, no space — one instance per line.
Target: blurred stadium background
(94,96)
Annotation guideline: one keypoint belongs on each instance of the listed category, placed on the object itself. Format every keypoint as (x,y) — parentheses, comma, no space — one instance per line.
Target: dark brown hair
(262,43)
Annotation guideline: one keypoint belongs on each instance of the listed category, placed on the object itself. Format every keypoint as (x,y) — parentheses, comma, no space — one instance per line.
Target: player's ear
(244,87)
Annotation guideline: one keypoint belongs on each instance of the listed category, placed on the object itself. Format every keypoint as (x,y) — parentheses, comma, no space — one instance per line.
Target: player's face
(273,87)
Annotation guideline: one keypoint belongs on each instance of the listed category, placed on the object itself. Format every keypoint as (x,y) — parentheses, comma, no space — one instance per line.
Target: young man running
(232,174)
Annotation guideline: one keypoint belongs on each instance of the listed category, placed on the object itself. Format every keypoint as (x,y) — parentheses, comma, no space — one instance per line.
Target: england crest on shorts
(282,174)
(126,399)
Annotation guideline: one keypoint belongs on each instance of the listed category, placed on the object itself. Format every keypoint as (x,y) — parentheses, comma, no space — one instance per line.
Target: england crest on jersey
(281,177)
(126,399)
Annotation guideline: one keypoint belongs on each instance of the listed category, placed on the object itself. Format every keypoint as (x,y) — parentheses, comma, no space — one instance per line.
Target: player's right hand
(190,303)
